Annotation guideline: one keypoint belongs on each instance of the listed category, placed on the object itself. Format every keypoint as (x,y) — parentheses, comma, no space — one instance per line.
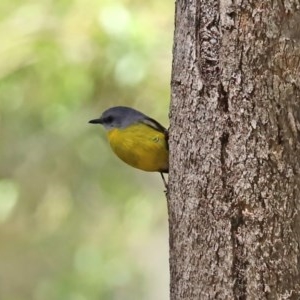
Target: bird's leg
(164,180)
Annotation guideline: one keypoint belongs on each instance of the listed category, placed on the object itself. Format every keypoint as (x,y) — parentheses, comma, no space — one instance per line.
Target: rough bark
(235,157)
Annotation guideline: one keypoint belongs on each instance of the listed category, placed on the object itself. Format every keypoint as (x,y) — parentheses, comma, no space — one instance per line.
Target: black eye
(108,119)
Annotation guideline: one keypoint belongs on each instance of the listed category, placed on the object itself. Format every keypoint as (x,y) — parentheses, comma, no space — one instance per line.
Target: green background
(76,223)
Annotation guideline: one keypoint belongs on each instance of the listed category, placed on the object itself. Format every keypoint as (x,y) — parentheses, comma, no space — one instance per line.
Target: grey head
(119,117)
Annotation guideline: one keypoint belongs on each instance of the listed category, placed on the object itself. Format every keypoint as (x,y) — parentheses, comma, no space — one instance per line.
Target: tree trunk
(234,150)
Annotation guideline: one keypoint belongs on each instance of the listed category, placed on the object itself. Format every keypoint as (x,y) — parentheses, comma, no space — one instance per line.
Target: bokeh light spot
(130,69)
(115,19)
(8,198)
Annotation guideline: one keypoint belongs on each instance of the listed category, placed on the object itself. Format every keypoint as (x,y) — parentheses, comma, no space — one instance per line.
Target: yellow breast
(141,147)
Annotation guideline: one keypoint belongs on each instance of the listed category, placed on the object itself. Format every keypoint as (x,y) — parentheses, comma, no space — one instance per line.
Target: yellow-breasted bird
(137,139)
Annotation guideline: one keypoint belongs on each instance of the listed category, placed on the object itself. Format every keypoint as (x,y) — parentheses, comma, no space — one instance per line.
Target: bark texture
(234,180)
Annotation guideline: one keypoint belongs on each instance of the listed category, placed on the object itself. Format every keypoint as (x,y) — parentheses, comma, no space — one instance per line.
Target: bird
(136,139)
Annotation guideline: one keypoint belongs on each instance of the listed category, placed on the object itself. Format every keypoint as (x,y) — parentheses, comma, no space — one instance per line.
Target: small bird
(137,139)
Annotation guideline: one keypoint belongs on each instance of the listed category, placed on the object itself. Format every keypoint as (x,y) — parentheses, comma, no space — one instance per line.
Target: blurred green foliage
(75,222)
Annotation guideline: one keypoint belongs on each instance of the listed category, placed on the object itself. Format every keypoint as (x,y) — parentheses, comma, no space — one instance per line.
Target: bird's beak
(96,121)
